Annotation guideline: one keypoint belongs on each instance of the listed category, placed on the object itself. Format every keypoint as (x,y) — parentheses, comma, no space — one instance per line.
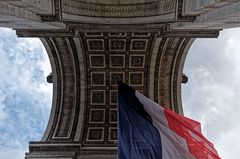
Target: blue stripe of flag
(137,136)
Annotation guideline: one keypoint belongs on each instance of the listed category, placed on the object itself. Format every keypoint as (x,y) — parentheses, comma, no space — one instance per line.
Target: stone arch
(68,87)
(90,64)
(90,49)
(168,72)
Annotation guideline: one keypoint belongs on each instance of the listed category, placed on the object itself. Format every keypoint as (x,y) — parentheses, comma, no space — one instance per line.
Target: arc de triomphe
(92,44)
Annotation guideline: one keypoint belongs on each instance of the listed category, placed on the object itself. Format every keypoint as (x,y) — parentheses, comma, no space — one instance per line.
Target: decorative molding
(97,60)
(98,45)
(180,16)
(116,34)
(97,116)
(113,28)
(121,64)
(95,134)
(95,44)
(57,16)
(85,8)
(113,97)
(136,78)
(115,77)
(98,97)
(117,61)
(65,121)
(117,44)
(141,34)
(167,70)
(137,61)
(44,33)
(113,116)
(93,34)
(113,134)
(139,44)
(98,79)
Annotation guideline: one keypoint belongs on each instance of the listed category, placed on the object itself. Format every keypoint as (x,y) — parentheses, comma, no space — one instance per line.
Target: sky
(25,96)
(211,96)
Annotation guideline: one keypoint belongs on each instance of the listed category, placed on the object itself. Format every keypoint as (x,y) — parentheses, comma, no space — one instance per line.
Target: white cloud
(25,96)
(212,94)
(12,153)
(2,106)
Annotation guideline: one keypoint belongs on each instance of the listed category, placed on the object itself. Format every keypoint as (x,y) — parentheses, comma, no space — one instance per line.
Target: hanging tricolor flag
(149,131)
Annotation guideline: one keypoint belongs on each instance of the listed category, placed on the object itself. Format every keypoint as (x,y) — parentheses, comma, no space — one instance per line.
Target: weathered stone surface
(93,44)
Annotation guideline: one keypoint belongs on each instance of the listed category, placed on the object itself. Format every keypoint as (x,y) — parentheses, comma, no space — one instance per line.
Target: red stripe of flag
(190,130)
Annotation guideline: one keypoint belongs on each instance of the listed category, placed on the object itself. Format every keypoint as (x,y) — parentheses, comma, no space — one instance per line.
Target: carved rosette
(111,57)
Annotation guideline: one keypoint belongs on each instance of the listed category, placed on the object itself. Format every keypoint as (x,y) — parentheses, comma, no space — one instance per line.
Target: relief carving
(154,8)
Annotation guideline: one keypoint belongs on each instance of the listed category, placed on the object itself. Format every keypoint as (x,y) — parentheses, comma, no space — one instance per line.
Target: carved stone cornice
(84,27)
(98,9)
(45,33)
(191,33)
(168,69)
(179,14)
(94,43)
(57,15)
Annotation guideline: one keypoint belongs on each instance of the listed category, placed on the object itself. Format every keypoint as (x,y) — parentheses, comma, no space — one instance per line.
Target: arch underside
(86,69)
(93,44)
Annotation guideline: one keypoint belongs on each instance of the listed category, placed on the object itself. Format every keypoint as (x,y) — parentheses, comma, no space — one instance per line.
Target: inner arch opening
(211,95)
(25,95)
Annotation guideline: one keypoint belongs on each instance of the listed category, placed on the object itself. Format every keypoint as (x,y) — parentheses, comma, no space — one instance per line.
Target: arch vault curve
(92,45)
(86,69)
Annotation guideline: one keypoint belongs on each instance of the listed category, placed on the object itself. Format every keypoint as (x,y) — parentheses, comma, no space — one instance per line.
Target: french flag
(149,131)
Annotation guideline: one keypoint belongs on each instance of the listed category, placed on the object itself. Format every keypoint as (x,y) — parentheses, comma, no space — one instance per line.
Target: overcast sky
(25,97)
(212,95)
